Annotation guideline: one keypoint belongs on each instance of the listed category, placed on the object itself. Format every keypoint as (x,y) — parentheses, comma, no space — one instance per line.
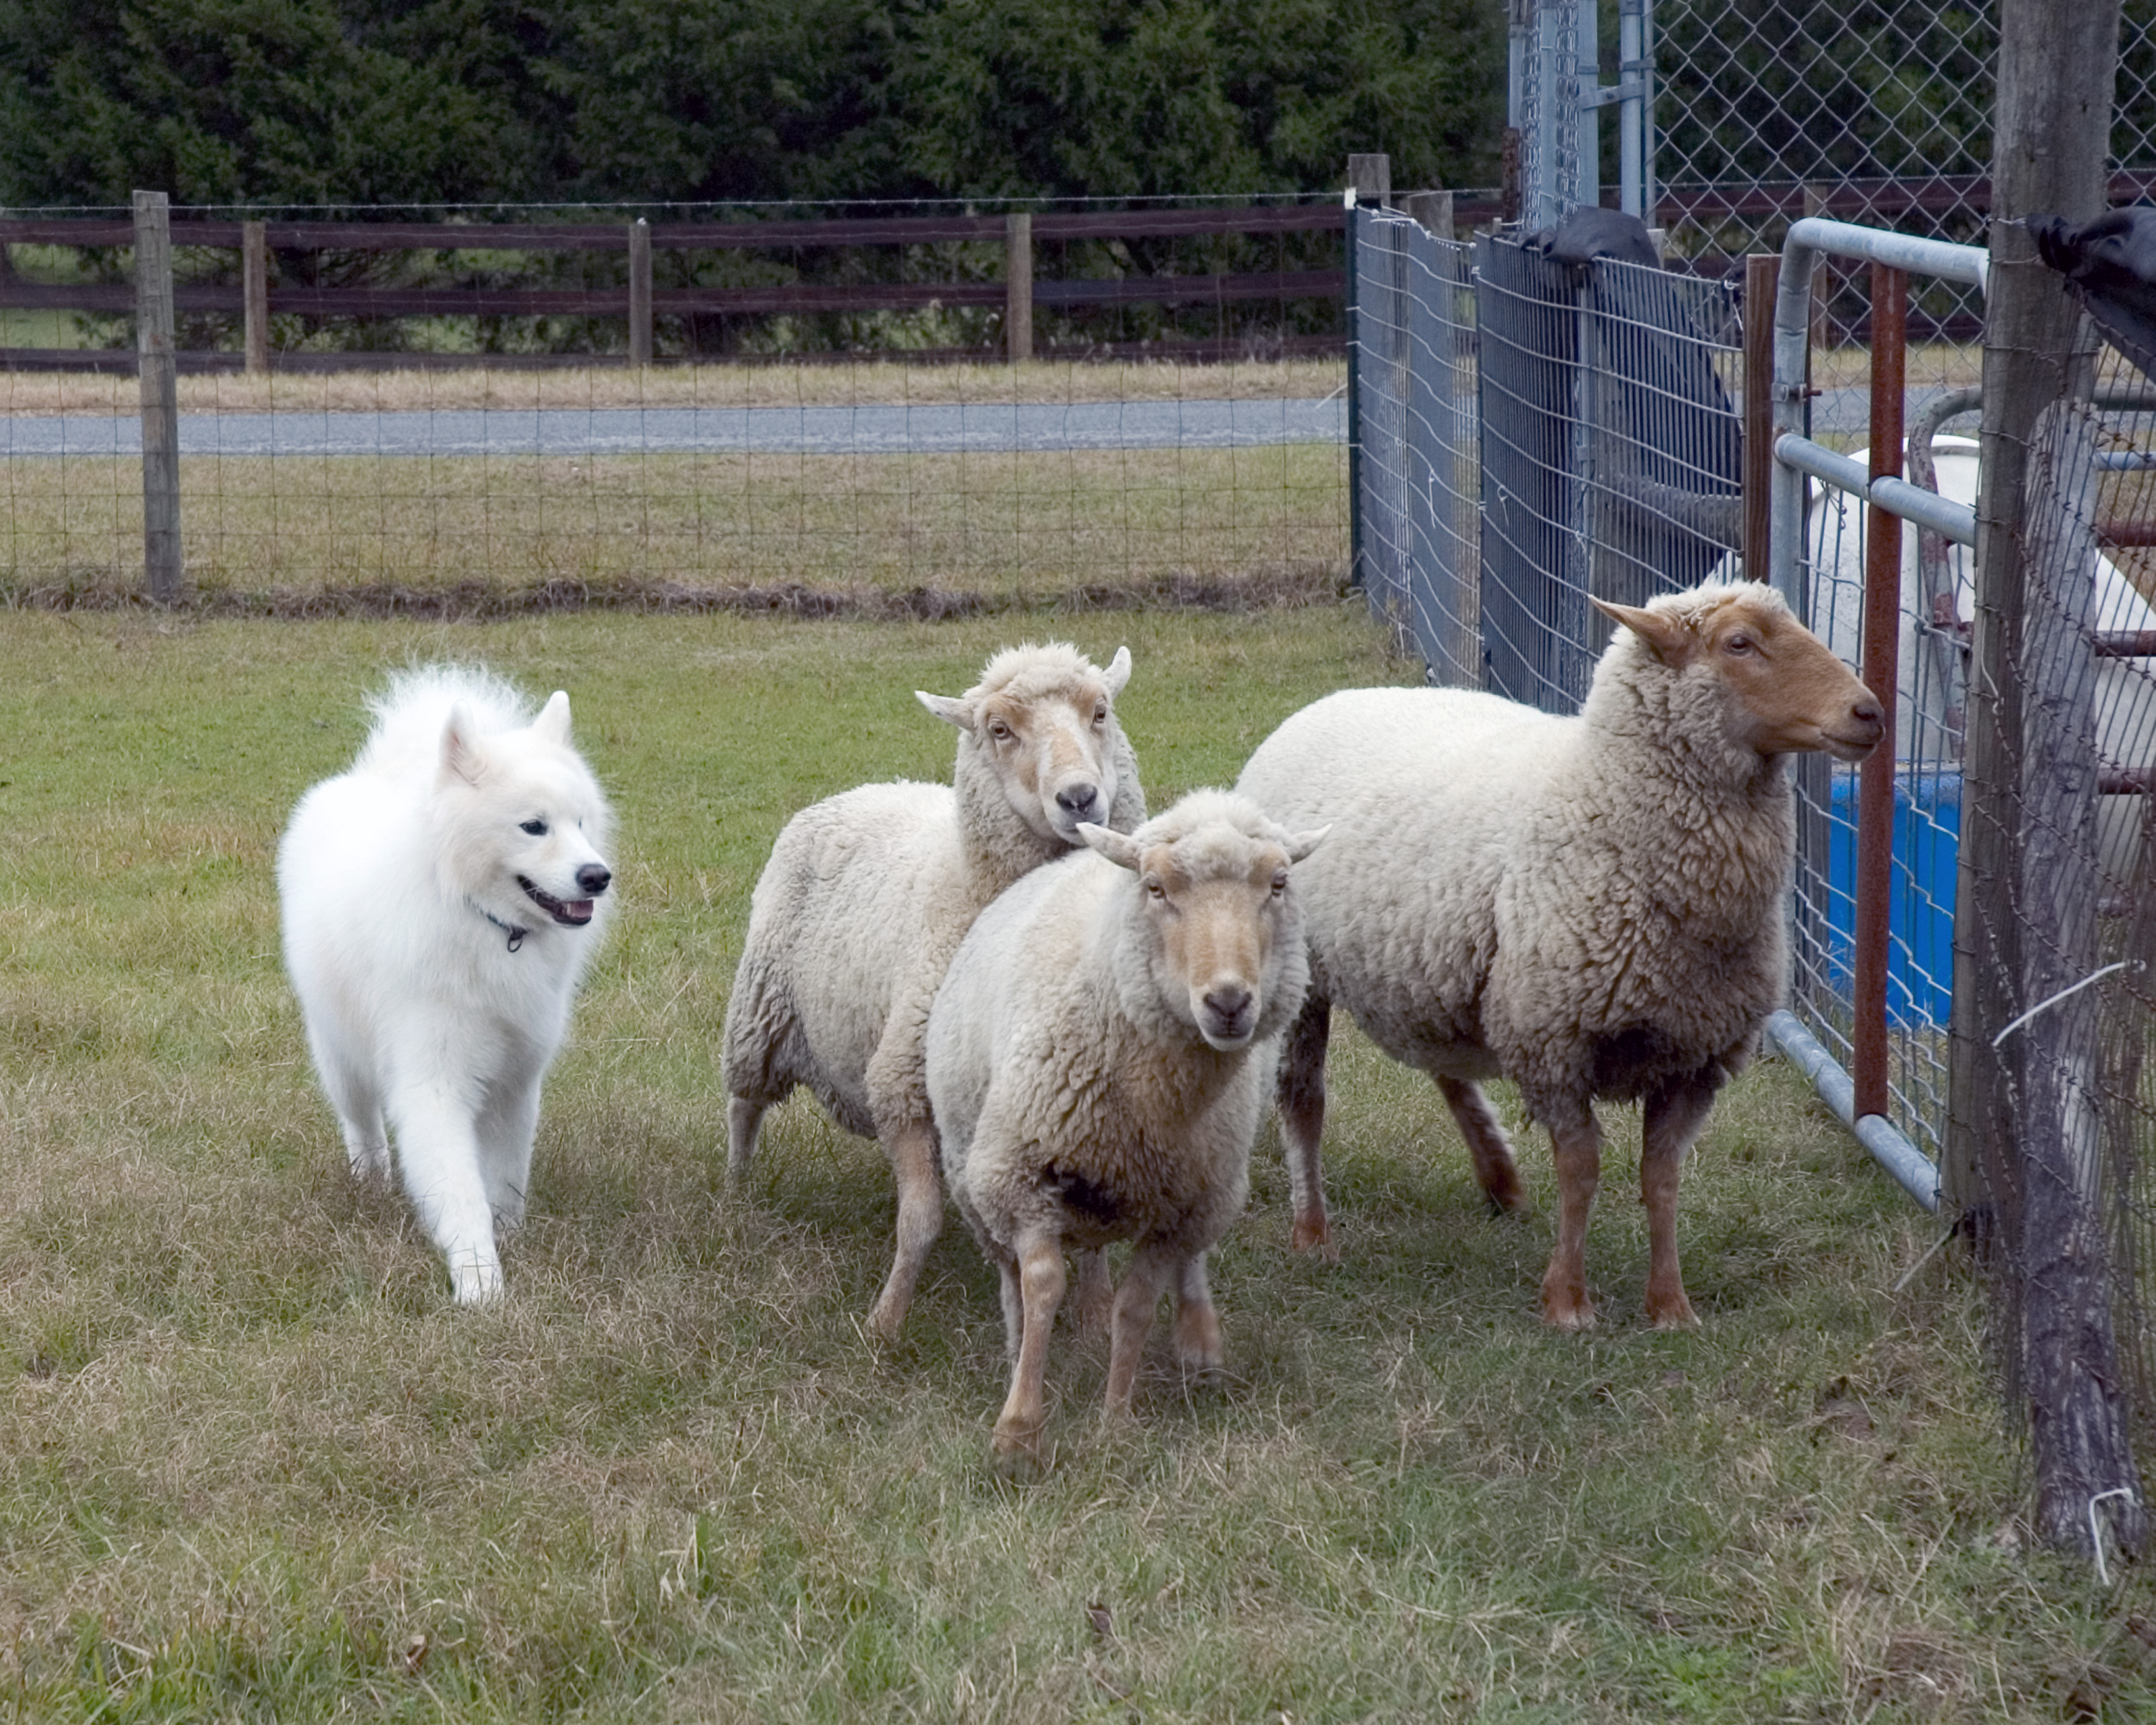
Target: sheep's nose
(1228,1003)
(592,878)
(1869,711)
(1077,800)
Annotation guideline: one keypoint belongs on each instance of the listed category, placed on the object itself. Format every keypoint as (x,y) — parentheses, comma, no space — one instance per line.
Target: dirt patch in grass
(1284,588)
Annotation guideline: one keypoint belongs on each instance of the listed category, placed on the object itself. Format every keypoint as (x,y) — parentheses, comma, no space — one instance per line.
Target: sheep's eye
(1280,883)
(537,829)
(1101,714)
(999,731)
(1154,886)
(1738,644)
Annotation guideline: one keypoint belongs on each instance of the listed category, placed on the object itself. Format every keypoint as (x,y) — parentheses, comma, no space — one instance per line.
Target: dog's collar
(515,934)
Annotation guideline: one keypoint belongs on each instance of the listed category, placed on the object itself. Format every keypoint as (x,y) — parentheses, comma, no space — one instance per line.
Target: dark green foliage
(297,102)
(402,102)
(1102,97)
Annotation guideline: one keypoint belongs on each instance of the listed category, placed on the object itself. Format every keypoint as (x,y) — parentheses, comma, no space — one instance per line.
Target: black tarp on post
(1611,455)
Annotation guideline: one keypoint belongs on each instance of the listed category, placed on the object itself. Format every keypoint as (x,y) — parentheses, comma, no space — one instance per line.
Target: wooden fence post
(160,392)
(1432,209)
(2077,1401)
(639,292)
(255,278)
(1371,177)
(1018,288)
(2051,132)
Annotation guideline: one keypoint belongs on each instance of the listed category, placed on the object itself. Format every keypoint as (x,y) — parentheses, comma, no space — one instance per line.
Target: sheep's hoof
(1315,1238)
(884,1325)
(1672,1316)
(1020,1460)
(1569,1317)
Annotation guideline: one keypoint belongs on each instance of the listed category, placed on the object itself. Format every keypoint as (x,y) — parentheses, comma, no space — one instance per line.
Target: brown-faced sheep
(1590,906)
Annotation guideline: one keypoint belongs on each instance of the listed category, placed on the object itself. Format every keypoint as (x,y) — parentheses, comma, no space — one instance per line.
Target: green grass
(254,1466)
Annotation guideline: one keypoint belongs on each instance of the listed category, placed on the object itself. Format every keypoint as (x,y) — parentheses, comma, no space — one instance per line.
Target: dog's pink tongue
(578,910)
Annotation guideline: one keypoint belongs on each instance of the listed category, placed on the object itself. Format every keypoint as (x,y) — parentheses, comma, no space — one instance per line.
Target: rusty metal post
(1882,629)
(1763,277)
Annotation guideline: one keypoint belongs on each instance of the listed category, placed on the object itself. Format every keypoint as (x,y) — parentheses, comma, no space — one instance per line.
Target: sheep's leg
(1673,1122)
(1197,1344)
(1035,1276)
(919,1219)
(1135,1300)
(1302,1098)
(1577,1143)
(1490,1150)
(1093,1308)
(744,1124)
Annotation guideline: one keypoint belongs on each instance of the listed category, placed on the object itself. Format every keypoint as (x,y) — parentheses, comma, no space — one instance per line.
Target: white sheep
(1590,905)
(1098,1060)
(867,895)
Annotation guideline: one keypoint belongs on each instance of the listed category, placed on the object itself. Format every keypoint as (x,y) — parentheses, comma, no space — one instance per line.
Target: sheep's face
(1050,739)
(1219,915)
(1783,692)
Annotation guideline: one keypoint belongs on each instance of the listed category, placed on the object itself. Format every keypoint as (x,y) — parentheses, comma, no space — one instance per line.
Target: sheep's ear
(552,724)
(1119,848)
(1118,672)
(951,708)
(460,753)
(1300,844)
(1664,632)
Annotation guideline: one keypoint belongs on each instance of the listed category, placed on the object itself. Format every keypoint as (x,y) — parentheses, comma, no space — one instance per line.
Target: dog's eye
(537,829)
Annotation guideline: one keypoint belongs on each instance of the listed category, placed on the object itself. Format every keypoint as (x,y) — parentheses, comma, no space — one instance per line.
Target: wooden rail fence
(256,298)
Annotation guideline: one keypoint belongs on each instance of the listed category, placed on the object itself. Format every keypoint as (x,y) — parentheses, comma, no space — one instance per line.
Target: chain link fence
(1602,448)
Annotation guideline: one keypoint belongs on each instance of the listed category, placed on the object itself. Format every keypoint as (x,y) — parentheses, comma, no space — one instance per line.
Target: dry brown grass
(1018,527)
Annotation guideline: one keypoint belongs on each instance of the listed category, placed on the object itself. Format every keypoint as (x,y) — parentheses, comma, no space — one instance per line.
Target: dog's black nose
(592,878)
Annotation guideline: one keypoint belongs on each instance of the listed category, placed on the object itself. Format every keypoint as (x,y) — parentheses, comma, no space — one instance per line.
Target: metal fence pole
(156,368)
(1369,180)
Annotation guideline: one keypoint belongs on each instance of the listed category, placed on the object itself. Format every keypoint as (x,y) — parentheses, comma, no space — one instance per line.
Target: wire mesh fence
(454,419)
(1418,451)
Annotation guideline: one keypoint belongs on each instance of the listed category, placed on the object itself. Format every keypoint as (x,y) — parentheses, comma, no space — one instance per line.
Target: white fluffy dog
(440,901)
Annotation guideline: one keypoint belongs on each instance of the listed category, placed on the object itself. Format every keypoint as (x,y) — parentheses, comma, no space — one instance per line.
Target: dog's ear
(552,724)
(460,755)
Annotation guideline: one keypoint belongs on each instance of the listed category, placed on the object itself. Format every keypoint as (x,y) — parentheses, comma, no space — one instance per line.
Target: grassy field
(717,385)
(254,1466)
(1000,527)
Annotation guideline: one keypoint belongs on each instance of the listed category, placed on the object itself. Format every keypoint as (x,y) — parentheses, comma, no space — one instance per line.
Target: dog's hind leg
(506,1126)
(439,1153)
(358,1106)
